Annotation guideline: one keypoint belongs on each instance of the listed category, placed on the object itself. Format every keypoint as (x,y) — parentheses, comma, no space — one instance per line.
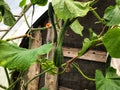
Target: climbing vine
(67,11)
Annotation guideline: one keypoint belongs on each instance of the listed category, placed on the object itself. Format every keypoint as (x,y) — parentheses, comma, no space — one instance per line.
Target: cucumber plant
(67,11)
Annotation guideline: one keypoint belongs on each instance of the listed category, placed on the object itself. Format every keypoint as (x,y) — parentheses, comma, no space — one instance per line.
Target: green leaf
(14,57)
(22,3)
(111,73)
(33,1)
(111,41)
(93,35)
(39,2)
(76,27)
(118,2)
(0,16)
(1,10)
(42,2)
(69,9)
(8,17)
(109,82)
(86,45)
(112,15)
(49,64)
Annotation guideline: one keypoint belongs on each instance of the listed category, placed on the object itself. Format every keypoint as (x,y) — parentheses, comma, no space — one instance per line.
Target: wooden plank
(51,80)
(35,68)
(91,55)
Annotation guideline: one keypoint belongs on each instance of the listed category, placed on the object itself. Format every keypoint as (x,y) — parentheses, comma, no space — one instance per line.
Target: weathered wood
(91,55)
(35,68)
(51,81)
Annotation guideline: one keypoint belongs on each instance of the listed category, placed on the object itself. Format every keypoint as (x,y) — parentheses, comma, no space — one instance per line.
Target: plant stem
(102,32)
(3,87)
(25,85)
(26,21)
(62,32)
(58,53)
(38,29)
(10,39)
(3,30)
(13,84)
(28,28)
(7,75)
(62,67)
(80,71)
(69,62)
(96,15)
(32,29)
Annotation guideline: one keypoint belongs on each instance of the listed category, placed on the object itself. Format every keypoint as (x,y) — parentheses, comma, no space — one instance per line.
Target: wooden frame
(92,55)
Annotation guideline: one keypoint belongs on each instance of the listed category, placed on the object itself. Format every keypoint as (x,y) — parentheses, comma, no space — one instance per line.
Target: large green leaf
(77,27)
(14,57)
(69,9)
(8,17)
(111,81)
(112,15)
(111,40)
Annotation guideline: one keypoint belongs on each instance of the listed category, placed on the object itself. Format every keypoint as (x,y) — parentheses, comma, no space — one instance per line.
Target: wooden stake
(51,81)
(35,68)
